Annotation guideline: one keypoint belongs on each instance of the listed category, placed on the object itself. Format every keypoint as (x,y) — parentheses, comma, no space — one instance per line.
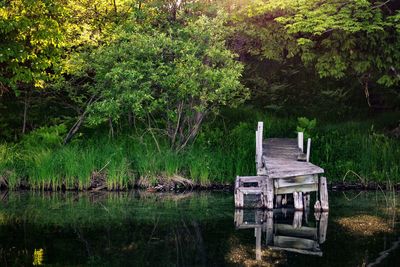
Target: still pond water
(194,229)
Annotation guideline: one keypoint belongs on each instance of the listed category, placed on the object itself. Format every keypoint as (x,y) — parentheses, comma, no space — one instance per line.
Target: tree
(172,79)
(356,38)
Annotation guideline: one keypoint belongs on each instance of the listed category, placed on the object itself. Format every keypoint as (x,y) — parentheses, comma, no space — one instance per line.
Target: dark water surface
(193,229)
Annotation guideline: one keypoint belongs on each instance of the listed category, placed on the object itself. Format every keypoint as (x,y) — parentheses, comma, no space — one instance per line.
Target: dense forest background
(123,93)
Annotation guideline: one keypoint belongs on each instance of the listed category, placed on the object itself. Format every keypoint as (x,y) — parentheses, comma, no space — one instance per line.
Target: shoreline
(178,188)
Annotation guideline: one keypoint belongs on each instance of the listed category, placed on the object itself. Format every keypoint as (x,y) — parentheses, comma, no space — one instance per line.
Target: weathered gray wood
(269,194)
(269,227)
(294,242)
(308,149)
(237,202)
(259,140)
(298,200)
(322,227)
(297,219)
(238,217)
(257,150)
(278,201)
(280,160)
(317,206)
(240,180)
(323,192)
(300,141)
(251,190)
(306,200)
(315,252)
(257,232)
(295,181)
(284,200)
(302,232)
(299,188)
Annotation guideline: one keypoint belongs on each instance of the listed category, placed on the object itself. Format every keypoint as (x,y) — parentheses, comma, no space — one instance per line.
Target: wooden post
(284,200)
(237,184)
(308,149)
(298,200)
(323,194)
(297,219)
(306,200)
(257,233)
(278,201)
(269,195)
(259,143)
(300,141)
(270,227)
(238,217)
(322,219)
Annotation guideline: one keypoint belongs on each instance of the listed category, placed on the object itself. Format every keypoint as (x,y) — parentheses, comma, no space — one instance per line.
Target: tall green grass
(223,149)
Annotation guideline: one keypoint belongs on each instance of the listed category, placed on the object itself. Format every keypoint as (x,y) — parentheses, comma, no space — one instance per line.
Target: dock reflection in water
(284,229)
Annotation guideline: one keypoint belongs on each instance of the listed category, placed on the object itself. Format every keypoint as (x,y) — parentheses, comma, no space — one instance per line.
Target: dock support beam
(298,200)
(259,144)
(300,141)
(269,193)
(323,192)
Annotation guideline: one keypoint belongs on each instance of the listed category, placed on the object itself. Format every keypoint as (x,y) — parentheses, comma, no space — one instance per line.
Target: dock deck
(280,159)
(283,173)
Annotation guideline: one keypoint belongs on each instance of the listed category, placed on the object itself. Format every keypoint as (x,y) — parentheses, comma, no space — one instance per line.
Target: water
(192,229)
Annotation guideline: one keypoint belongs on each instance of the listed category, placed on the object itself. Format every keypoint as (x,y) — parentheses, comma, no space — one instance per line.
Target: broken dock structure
(284,174)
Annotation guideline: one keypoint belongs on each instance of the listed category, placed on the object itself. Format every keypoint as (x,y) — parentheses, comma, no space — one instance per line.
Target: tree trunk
(115,6)
(78,123)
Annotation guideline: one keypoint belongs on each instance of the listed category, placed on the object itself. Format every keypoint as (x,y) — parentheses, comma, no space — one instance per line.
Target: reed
(218,154)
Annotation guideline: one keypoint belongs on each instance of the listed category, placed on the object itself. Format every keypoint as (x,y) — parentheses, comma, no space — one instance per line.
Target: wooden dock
(284,174)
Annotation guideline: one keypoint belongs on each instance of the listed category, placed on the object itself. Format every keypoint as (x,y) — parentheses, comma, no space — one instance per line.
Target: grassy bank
(354,151)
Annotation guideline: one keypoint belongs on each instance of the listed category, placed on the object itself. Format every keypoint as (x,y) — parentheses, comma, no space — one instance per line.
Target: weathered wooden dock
(284,174)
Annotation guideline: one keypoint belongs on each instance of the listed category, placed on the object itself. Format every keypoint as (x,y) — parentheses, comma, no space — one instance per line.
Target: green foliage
(306,126)
(357,39)
(179,76)
(31,37)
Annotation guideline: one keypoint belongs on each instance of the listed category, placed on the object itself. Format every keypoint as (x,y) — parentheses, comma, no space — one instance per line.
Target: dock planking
(280,159)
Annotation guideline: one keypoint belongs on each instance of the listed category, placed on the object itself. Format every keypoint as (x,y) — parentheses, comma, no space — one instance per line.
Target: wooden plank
(299,188)
(250,179)
(301,232)
(250,190)
(323,193)
(315,252)
(294,242)
(280,159)
(283,167)
(295,181)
